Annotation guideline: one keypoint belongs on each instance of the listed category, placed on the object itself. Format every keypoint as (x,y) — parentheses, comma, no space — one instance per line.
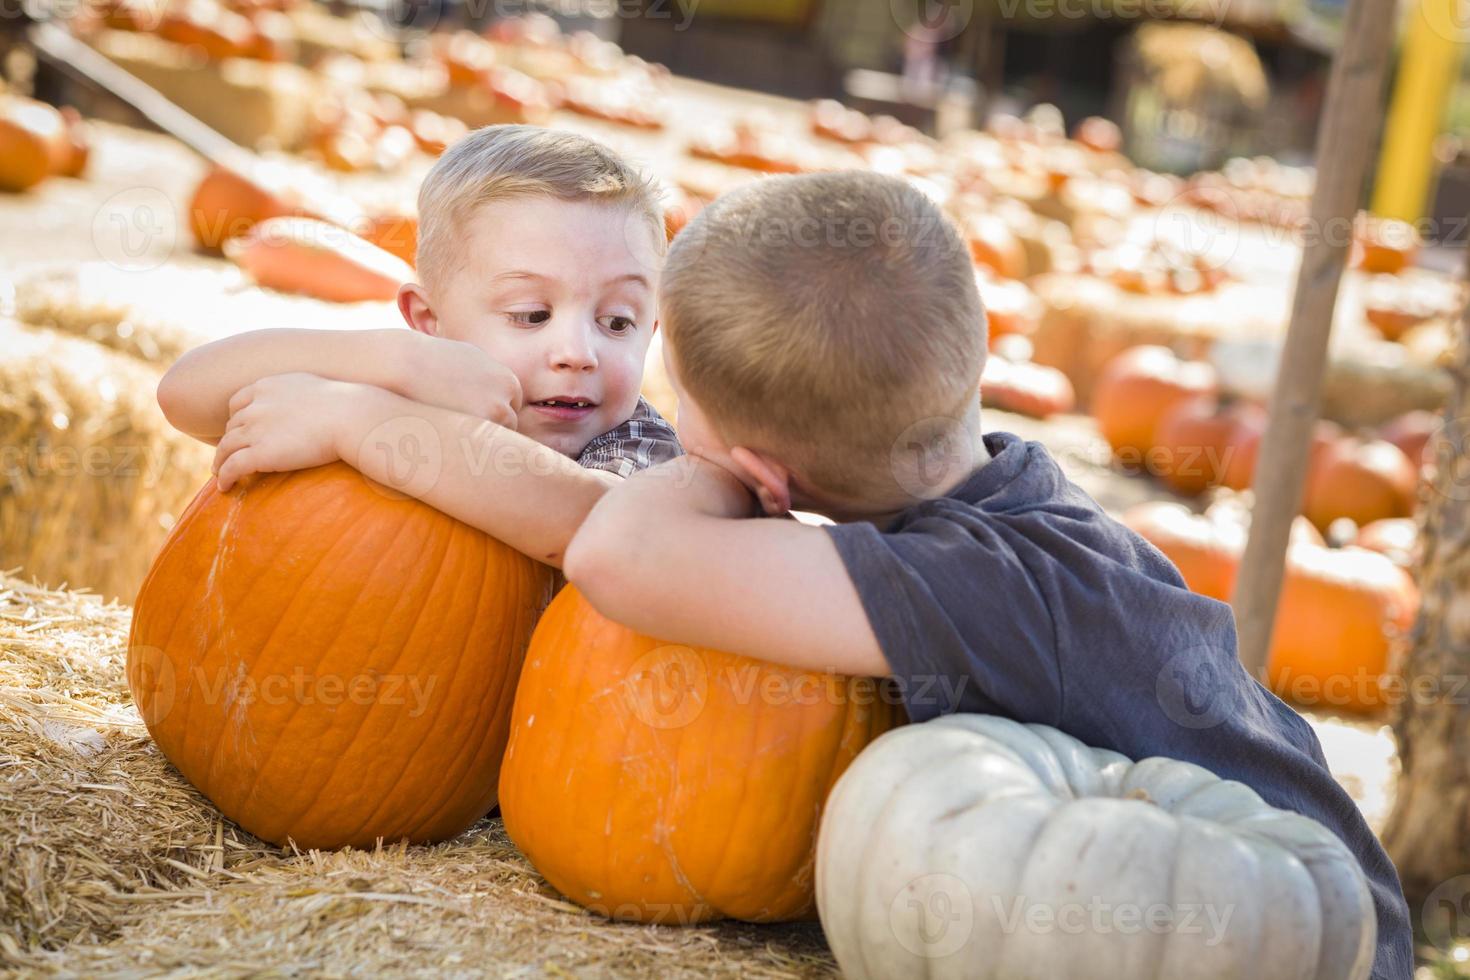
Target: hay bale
(1086,321)
(264,105)
(320,34)
(94,476)
(157,314)
(110,863)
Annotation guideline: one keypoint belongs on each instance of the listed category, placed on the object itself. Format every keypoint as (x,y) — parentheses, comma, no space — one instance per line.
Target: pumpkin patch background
(1137,349)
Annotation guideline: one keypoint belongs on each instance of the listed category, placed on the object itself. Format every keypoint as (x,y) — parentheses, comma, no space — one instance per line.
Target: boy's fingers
(505,416)
(228,443)
(239,464)
(241,398)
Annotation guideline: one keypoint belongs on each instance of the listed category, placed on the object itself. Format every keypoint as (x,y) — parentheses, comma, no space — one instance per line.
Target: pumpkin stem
(1140,794)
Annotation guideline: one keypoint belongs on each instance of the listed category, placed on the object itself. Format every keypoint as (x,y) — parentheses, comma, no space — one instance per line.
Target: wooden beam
(1346,131)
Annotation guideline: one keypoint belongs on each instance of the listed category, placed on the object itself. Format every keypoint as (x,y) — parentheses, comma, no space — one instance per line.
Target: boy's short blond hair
(497,163)
(819,317)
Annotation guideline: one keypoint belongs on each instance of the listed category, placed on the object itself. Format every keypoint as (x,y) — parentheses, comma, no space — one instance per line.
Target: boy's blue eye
(530,317)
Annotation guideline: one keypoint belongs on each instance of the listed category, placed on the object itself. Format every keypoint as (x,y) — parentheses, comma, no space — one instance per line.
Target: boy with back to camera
(513,402)
(825,340)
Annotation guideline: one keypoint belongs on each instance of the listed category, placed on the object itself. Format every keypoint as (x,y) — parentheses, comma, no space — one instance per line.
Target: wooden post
(1345,136)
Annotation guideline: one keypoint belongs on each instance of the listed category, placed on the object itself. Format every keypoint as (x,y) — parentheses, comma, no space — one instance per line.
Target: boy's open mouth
(565,408)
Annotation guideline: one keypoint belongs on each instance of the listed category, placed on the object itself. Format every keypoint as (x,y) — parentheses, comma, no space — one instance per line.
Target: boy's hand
(460,377)
(280,423)
(709,486)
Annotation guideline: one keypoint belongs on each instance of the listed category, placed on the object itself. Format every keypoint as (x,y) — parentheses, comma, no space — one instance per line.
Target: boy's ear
(772,480)
(413,303)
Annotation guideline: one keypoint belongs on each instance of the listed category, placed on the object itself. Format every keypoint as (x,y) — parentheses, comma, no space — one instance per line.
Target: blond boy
(825,340)
(513,402)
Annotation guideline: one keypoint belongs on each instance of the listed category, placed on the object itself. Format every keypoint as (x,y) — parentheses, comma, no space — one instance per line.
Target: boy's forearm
(195,393)
(526,494)
(675,552)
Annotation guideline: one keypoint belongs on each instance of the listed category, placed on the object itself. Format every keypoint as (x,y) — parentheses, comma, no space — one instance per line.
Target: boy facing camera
(825,339)
(513,402)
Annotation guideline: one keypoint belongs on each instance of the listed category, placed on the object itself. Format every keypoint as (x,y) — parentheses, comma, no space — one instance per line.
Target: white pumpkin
(976,847)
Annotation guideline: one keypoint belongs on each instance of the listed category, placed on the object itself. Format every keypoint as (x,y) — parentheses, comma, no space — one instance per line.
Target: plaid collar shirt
(645,440)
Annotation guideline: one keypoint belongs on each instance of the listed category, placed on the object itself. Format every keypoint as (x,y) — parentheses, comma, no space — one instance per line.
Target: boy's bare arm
(493,478)
(195,393)
(671,553)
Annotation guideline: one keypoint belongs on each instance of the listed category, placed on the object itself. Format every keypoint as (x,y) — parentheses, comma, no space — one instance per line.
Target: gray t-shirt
(1016,595)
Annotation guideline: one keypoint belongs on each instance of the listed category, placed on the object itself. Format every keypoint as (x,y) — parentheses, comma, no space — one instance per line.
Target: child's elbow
(170,397)
(589,564)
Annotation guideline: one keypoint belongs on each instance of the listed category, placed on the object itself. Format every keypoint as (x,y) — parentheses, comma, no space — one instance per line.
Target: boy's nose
(574,350)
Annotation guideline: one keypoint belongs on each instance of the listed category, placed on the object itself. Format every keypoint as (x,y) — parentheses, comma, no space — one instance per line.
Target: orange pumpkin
(1025,388)
(1396,537)
(1240,470)
(332,662)
(303,255)
(1197,440)
(33,141)
(1341,615)
(219,33)
(76,144)
(1134,391)
(994,246)
(394,232)
(656,782)
(1206,552)
(433,132)
(1010,306)
(1362,480)
(1206,548)
(227,203)
(1384,245)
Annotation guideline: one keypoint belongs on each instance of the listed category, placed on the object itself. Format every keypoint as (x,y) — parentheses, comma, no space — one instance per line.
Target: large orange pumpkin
(1206,548)
(395,232)
(1341,614)
(227,203)
(1206,552)
(1199,438)
(656,782)
(303,255)
(1240,471)
(330,662)
(33,142)
(1025,388)
(1365,480)
(1136,388)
